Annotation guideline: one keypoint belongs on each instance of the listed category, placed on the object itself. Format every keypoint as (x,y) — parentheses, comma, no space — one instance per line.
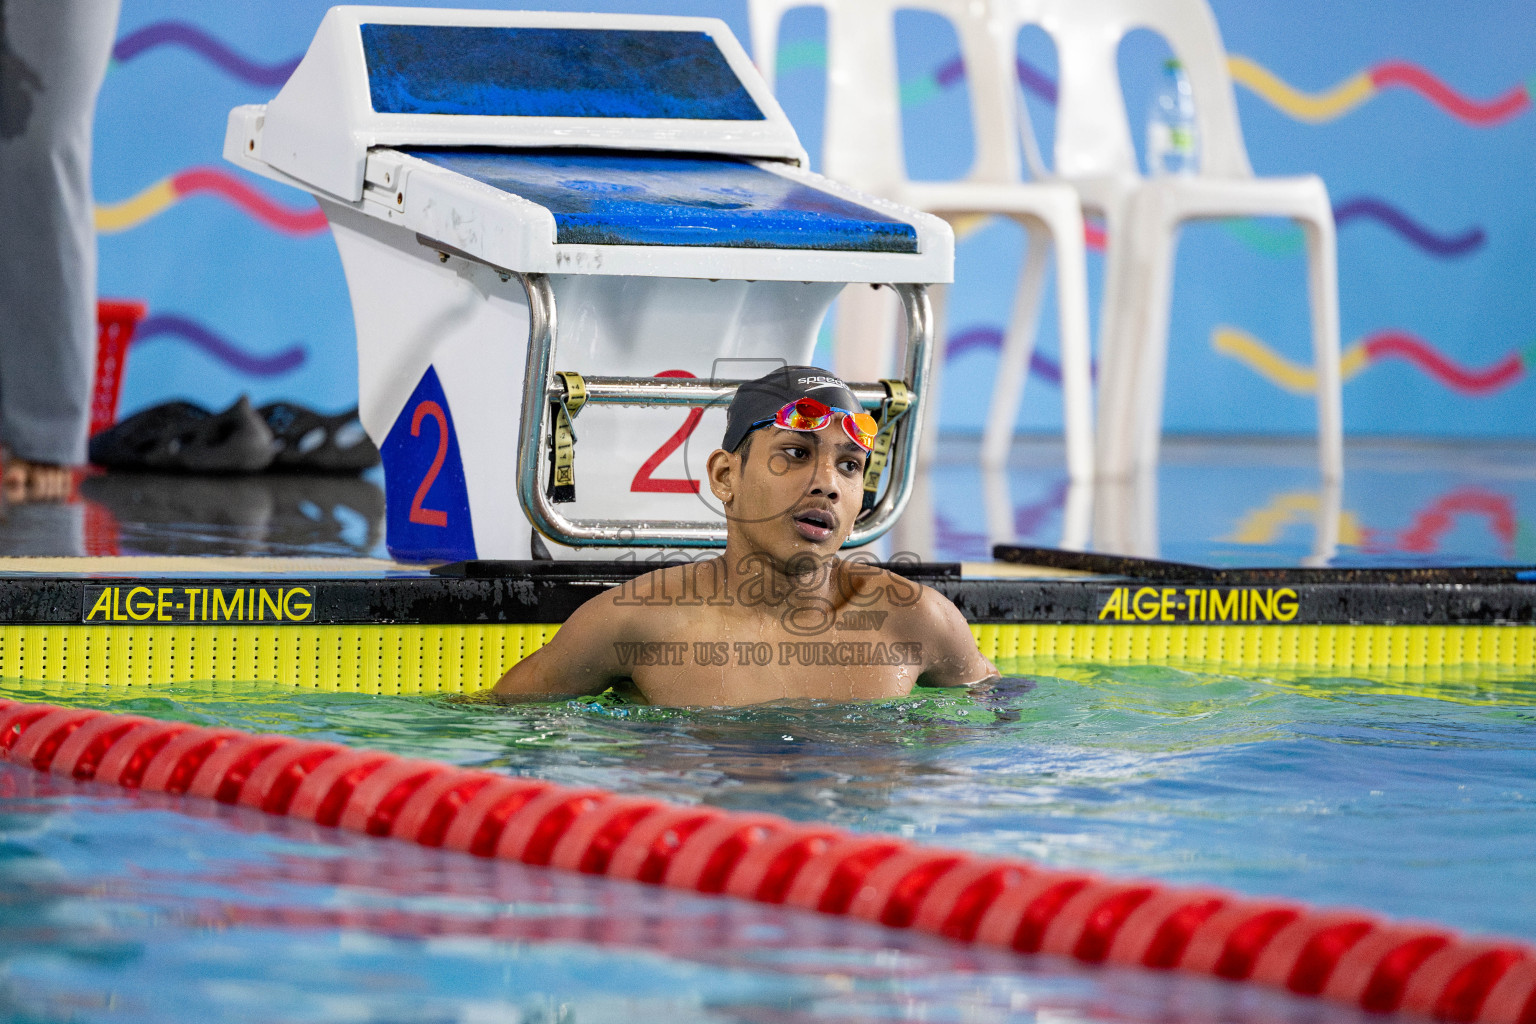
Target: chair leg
(1131,367)
(1109,304)
(1118,356)
(1325,530)
(864,334)
(1124,519)
(998,499)
(1076,353)
(1323,290)
(1152,379)
(1114,222)
(916,531)
(1077,516)
(1114,430)
(1018,345)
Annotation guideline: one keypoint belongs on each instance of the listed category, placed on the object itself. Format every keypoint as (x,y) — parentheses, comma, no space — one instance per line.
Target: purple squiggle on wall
(1395,219)
(180,33)
(1040,365)
(225,352)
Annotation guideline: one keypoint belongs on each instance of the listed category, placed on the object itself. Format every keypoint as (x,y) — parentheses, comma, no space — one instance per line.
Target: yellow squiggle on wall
(157,198)
(1277,369)
(1312,107)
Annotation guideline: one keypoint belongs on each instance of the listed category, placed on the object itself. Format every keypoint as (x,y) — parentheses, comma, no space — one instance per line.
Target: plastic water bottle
(1173,140)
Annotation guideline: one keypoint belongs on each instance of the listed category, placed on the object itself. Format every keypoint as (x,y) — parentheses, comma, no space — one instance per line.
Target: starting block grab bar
(682,391)
(543,389)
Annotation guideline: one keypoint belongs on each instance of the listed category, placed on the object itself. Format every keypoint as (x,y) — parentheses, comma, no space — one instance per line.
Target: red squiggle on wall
(227,186)
(167,192)
(1385,344)
(1487,112)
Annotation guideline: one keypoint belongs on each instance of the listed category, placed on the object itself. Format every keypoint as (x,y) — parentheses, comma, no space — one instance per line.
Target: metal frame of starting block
(539,394)
(497,230)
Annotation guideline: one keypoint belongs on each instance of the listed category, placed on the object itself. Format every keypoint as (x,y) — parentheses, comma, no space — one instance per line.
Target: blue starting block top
(658,199)
(551,72)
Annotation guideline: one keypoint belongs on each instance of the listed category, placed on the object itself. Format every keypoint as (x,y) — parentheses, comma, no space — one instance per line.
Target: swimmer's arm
(950,655)
(579,661)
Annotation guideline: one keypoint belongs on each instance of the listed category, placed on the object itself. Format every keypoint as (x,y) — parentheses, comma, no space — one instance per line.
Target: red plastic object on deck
(115,323)
(1346,957)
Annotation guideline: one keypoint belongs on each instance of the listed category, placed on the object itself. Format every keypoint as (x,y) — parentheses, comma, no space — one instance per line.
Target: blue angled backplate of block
(607,198)
(551,72)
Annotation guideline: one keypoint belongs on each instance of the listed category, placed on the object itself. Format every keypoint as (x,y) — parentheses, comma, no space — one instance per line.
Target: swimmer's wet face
(790,493)
(789,472)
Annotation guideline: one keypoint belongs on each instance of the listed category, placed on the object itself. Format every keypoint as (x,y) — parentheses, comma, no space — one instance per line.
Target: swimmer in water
(779,616)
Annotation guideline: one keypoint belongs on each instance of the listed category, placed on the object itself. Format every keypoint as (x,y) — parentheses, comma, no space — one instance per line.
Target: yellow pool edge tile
(389,659)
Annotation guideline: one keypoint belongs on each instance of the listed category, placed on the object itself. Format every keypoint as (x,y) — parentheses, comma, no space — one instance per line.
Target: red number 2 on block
(430,516)
(643,480)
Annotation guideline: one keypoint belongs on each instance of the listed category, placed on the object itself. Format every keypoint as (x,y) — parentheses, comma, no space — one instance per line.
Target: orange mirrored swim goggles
(808,414)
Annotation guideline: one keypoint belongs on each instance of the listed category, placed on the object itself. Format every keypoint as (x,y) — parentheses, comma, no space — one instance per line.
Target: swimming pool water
(1407,798)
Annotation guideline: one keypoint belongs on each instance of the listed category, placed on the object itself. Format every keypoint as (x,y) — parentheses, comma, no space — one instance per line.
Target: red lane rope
(1345,956)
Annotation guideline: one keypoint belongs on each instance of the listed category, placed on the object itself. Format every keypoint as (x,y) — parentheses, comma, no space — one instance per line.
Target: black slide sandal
(311,442)
(186,438)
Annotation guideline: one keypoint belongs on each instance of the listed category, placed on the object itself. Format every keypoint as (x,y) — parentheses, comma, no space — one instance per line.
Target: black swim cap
(758,401)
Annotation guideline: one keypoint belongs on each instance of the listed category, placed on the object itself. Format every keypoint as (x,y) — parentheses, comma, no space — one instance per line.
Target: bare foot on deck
(25,481)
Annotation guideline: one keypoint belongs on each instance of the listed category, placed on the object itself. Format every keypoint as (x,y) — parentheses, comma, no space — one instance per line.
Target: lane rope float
(1349,957)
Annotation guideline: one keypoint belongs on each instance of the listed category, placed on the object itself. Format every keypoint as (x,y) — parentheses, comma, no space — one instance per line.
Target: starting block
(547,218)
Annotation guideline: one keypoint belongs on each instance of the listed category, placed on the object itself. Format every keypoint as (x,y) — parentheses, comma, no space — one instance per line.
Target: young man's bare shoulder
(912,609)
(866,585)
(939,630)
(606,612)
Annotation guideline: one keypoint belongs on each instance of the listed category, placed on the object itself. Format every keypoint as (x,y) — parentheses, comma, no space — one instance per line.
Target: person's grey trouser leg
(53,56)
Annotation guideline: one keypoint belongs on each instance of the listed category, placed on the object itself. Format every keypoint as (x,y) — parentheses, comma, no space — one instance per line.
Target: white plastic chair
(862,146)
(1095,154)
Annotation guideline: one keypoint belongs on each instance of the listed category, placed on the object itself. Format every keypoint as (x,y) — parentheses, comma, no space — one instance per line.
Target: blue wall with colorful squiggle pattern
(1419,117)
